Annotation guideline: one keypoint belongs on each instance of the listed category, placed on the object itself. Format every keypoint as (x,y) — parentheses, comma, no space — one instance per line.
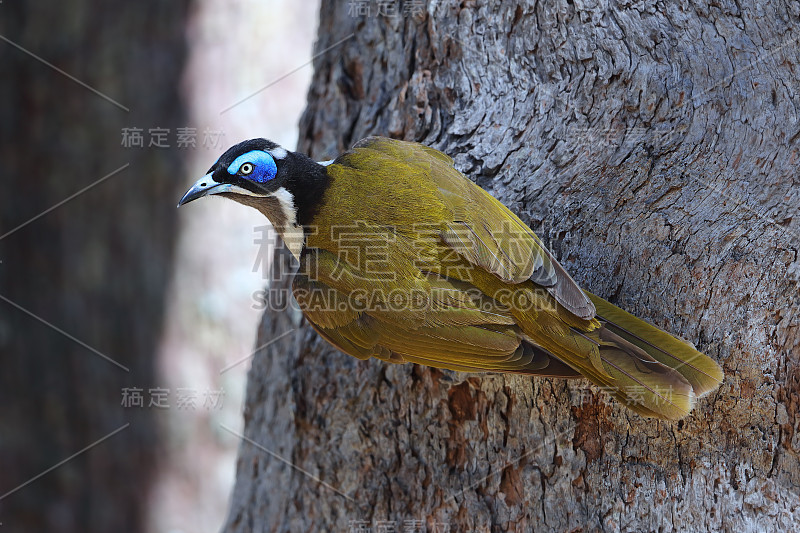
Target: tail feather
(700,371)
(641,383)
(645,368)
(628,373)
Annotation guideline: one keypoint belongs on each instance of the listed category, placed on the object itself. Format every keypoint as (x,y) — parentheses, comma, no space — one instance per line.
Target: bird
(401,258)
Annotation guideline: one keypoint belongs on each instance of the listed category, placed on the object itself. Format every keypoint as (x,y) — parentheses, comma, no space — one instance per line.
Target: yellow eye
(246,169)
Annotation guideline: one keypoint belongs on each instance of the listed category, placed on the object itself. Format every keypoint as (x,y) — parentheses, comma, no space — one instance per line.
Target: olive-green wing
(479,228)
(450,324)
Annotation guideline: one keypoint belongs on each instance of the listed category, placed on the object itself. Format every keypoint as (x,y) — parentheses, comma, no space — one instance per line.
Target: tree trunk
(86,233)
(655,151)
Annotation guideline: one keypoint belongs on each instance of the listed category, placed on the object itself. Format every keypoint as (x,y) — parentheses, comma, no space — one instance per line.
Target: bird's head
(250,169)
(285,186)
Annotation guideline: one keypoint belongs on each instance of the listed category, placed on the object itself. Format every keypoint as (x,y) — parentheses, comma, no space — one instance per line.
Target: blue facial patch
(265,168)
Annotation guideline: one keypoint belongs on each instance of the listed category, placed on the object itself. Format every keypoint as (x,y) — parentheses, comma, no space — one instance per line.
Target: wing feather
(482,230)
(458,327)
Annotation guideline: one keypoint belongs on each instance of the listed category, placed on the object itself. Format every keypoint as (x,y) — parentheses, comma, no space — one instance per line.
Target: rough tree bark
(655,150)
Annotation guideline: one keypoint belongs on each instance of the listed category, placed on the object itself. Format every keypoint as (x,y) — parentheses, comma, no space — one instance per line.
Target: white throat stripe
(293,235)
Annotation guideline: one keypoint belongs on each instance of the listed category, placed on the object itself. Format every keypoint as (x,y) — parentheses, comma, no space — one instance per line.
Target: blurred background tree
(88,226)
(96,266)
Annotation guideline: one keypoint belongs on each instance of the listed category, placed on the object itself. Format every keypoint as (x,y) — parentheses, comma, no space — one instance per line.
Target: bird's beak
(202,187)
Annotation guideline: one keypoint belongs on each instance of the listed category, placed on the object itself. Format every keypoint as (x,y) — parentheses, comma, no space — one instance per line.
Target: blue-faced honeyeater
(404,259)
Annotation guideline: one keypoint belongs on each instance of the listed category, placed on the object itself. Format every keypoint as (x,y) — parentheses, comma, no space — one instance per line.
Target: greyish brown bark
(655,150)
